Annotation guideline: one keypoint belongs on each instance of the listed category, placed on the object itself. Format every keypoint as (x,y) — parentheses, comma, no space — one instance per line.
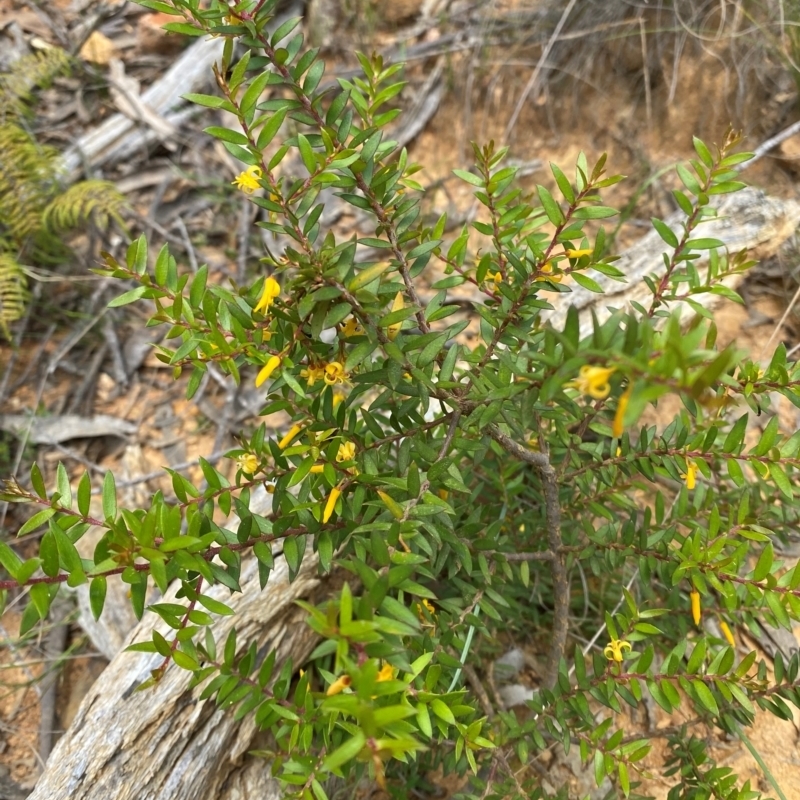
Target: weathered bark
(165,742)
(747,220)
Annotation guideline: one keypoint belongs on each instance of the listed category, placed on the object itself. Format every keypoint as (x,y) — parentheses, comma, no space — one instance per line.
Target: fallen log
(164,742)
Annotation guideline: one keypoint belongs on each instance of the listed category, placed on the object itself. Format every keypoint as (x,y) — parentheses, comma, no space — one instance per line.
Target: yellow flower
(290,434)
(614,649)
(697,613)
(268,294)
(338,397)
(312,374)
(339,685)
(394,328)
(347,452)
(619,417)
(593,381)
(690,476)
(268,369)
(316,469)
(578,253)
(248,463)
(726,632)
(248,181)
(386,673)
(330,505)
(352,327)
(497,277)
(546,274)
(334,373)
(428,606)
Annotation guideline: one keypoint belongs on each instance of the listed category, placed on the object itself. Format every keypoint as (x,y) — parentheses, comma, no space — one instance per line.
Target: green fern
(96,200)
(34,207)
(27,183)
(13,292)
(26,74)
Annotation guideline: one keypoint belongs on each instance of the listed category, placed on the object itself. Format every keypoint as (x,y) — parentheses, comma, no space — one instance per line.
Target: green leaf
(665,232)
(705,696)
(587,282)
(551,208)
(764,564)
(128,297)
(36,521)
(442,711)
(468,177)
(84,494)
(97,595)
(63,487)
(368,275)
(215,606)
(345,752)
(109,497)
(225,135)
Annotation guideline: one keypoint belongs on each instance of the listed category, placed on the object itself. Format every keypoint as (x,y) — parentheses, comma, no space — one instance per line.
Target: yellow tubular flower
(268,369)
(690,476)
(268,294)
(339,685)
(313,374)
(697,613)
(726,632)
(386,673)
(619,418)
(347,452)
(331,504)
(593,381)
(352,327)
(394,328)
(248,181)
(248,463)
(614,649)
(334,373)
(316,469)
(578,253)
(290,434)
(546,274)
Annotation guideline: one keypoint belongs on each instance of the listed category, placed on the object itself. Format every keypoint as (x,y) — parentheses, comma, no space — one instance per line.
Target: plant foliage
(463,490)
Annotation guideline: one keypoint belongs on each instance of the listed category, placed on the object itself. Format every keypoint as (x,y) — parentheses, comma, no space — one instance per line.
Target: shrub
(459,488)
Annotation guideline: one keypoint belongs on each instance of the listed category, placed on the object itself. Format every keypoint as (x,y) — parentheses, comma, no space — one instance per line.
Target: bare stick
(534,79)
(771,143)
(541,463)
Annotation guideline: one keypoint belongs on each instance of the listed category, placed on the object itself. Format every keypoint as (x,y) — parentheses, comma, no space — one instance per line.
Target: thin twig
(770,144)
(541,463)
(534,79)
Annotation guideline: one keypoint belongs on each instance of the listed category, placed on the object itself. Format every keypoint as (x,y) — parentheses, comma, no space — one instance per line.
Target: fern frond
(97,200)
(13,292)
(27,182)
(24,75)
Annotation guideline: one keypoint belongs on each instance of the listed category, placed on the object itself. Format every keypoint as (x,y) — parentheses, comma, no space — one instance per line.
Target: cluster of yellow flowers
(332,372)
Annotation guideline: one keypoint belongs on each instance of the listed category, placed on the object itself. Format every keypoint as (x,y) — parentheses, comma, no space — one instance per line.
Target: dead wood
(747,220)
(165,741)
